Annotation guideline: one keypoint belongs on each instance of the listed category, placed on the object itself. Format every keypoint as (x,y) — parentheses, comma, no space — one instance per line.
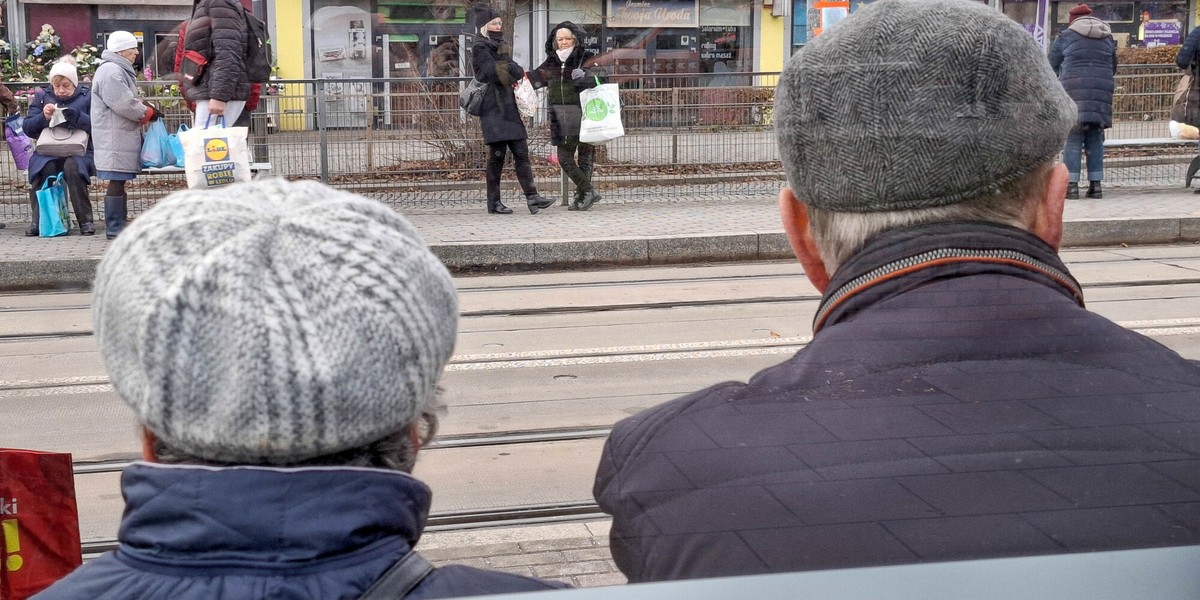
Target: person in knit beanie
(280,345)
(956,401)
(1085,59)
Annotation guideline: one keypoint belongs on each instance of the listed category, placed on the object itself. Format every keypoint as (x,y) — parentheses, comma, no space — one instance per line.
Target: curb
(26,275)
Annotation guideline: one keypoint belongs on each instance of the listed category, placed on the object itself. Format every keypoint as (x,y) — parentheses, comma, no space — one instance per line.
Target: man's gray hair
(838,235)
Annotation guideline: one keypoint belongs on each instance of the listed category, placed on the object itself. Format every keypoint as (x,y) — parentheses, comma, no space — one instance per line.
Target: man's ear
(1047,218)
(795,223)
(148,440)
(414,437)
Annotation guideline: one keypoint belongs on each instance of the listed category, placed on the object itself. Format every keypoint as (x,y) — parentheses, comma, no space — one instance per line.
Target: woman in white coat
(117,119)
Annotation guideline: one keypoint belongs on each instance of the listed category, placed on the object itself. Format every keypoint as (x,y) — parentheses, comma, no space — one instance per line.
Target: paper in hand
(58,118)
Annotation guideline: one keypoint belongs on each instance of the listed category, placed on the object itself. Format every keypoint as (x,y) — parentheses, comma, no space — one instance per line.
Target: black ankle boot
(1072,191)
(498,208)
(536,201)
(590,197)
(1094,190)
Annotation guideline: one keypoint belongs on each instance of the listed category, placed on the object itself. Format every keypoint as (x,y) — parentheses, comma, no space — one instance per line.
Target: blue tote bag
(53,216)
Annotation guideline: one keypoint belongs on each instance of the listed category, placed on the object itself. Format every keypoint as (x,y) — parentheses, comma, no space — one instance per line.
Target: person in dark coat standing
(286,476)
(75,101)
(1188,59)
(956,400)
(1085,59)
(218,31)
(503,126)
(564,76)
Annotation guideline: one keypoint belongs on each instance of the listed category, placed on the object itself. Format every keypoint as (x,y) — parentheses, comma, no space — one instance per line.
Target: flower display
(87,60)
(40,53)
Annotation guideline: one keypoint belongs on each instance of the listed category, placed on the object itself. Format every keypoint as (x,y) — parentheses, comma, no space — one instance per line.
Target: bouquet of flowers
(41,52)
(87,60)
(8,70)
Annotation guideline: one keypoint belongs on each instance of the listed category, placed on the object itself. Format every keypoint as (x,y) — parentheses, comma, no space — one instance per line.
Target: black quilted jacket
(956,402)
(218,31)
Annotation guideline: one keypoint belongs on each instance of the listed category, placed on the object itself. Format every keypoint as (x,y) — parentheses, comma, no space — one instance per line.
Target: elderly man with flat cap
(957,401)
(280,345)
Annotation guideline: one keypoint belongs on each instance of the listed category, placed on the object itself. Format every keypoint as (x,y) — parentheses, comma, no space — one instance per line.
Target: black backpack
(258,50)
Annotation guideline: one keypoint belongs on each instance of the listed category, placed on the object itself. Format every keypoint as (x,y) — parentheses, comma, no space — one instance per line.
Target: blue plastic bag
(177,146)
(156,146)
(54,218)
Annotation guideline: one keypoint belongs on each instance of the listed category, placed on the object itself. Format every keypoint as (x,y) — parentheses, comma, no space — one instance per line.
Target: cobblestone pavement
(679,217)
(576,553)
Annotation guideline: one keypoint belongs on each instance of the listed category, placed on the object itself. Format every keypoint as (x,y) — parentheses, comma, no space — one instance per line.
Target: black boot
(498,208)
(1072,191)
(115,215)
(590,197)
(33,205)
(1094,190)
(536,201)
(576,199)
(1193,167)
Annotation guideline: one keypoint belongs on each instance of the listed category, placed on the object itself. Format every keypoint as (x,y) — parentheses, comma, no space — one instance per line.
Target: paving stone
(584,554)
(527,559)
(601,579)
(461,552)
(478,563)
(558,544)
(579,568)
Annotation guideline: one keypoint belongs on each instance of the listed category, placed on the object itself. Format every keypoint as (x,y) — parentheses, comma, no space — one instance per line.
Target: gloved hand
(578,74)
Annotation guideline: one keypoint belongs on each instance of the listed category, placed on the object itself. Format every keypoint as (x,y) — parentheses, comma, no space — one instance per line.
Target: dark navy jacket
(956,402)
(78,117)
(1085,59)
(249,532)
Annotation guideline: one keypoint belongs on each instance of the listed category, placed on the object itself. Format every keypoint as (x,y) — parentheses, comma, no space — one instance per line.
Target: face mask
(496,35)
(564,53)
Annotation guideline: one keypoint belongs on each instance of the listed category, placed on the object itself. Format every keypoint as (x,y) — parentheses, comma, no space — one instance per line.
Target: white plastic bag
(601,120)
(527,99)
(215,156)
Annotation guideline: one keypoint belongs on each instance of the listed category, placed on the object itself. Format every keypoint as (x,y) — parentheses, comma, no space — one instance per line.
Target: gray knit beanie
(272,322)
(914,104)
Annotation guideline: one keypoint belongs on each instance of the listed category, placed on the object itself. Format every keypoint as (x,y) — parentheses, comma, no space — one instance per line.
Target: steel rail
(449,442)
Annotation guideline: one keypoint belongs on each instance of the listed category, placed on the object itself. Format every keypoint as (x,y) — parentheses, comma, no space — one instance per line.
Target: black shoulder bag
(400,579)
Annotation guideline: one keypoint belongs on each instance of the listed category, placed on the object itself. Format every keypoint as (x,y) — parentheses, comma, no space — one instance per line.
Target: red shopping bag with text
(39,520)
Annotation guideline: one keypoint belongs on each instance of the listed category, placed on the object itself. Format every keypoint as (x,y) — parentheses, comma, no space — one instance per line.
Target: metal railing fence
(405,141)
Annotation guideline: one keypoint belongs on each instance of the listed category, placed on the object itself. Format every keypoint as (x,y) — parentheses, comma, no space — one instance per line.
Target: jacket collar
(112,57)
(269,515)
(899,260)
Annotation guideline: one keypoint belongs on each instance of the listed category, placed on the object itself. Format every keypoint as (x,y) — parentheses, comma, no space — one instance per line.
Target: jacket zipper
(944,255)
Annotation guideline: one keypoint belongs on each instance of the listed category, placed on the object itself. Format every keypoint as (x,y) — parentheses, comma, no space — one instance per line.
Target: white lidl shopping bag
(215,156)
(601,114)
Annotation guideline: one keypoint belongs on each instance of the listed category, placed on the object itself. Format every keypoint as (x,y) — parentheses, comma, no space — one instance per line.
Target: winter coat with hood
(117,115)
(320,533)
(218,31)
(491,60)
(554,74)
(78,117)
(1085,59)
(956,401)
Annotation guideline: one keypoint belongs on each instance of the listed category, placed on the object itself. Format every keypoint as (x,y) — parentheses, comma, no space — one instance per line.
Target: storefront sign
(1160,33)
(653,13)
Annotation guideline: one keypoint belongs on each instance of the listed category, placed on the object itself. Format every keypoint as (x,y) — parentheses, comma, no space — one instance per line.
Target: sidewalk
(661,231)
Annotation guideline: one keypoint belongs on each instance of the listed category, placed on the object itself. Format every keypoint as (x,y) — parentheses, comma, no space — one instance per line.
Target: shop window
(799,22)
(409,12)
(1109,12)
(580,12)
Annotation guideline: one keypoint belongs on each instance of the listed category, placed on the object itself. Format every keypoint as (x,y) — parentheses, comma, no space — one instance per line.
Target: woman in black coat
(564,76)
(503,126)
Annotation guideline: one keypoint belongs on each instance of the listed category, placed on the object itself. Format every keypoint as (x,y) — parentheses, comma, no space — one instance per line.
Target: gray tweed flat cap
(917,103)
(271,322)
